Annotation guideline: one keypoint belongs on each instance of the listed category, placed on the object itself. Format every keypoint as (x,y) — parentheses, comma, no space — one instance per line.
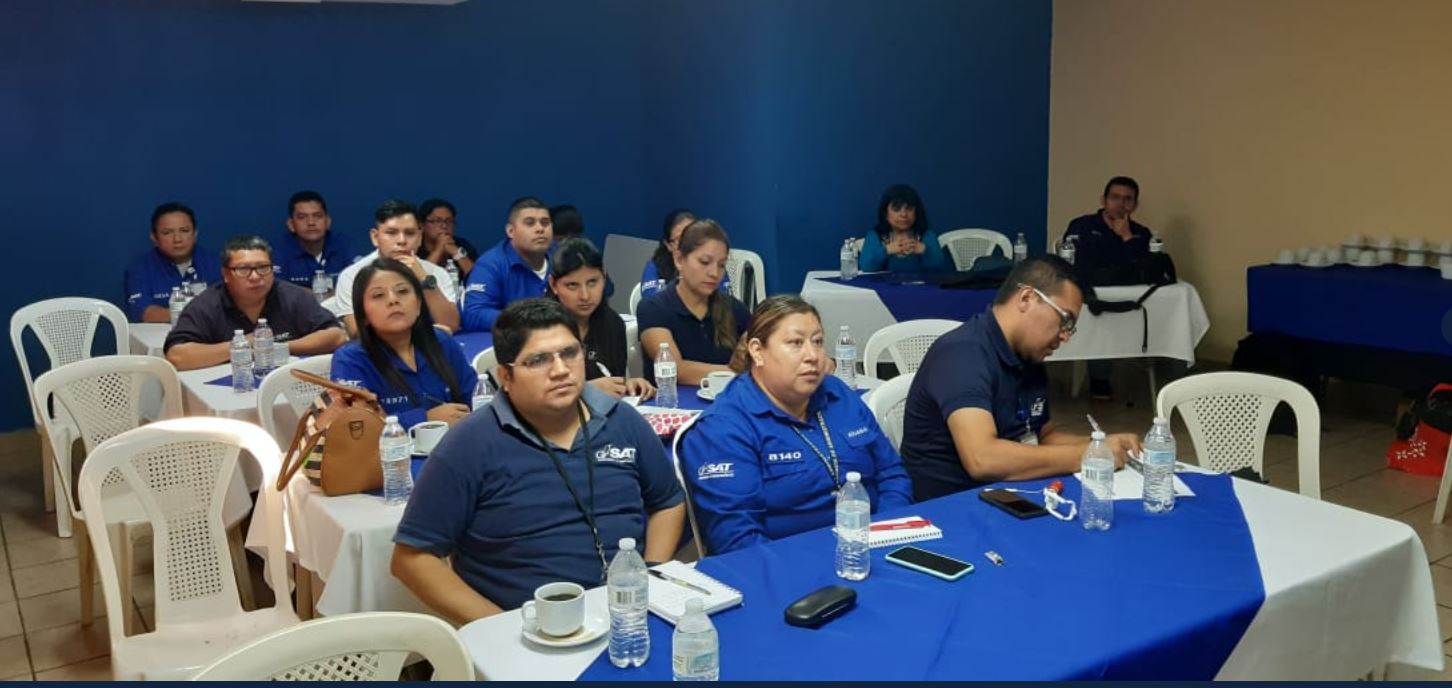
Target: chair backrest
(690,503)
(299,394)
(968,245)
(180,470)
(485,363)
(1228,414)
(888,403)
(66,328)
(101,398)
(906,343)
(625,258)
(370,646)
(634,298)
(736,262)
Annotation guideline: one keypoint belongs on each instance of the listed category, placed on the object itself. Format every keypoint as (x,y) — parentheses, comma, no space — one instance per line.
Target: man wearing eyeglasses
(538,487)
(978,408)
(202,336)
(174,261)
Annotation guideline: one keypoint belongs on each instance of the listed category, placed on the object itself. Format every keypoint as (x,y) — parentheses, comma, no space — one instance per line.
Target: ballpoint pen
(677,581)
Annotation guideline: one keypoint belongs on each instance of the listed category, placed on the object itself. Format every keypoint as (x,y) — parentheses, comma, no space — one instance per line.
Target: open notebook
(900,531)
(668,597)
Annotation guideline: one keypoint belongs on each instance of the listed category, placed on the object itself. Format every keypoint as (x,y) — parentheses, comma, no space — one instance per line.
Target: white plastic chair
(180,471)
(1228,414)
(66,329)
(485,362)
(690,505)
(906,343)
(370,646)
(299,394)
(634,298)
(888,403)
(1441,511)
(736,261)
(968,245)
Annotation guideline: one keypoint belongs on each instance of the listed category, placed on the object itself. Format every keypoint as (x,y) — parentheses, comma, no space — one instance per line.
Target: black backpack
(1154,269)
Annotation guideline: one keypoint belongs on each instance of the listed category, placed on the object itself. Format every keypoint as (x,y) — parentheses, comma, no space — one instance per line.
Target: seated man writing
(202,336)
(538,487)
(978,408)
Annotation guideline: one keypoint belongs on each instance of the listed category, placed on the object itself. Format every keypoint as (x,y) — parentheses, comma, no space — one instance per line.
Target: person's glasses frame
(1068,323)
(243,271)
(545,359)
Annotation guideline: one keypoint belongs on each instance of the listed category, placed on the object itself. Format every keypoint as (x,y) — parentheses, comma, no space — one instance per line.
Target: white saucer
(594,628)
(1278,261)
(1308,264)
(708,396)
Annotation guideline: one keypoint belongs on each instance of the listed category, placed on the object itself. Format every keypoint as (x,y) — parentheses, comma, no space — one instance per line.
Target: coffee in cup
(557,610)
(715,383)
(427,434)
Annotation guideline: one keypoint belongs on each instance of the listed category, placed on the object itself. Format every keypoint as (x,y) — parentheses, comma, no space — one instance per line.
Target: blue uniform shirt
(651,282)
(753,479)
(490,498)
(971,366)
(151,276)
(296,265)
(695,339)
(499,277)
(874,256)
(351,366)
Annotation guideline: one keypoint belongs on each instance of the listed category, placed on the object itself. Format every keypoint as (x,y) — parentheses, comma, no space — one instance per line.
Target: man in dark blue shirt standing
(978,408)
(175,260)
(310,245)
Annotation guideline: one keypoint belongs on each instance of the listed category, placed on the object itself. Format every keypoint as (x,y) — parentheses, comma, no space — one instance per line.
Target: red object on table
(918,523)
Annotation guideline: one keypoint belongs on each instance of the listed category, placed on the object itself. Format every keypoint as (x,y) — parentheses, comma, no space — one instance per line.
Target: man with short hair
(440,241)
(173,261)
(516,268)
(396,235)
(311,245)
(202,336)
(538,487)
(978,408)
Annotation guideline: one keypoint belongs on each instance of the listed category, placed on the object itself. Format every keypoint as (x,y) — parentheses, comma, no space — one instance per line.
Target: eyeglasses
(544,359)
(245,270)
(1068,322)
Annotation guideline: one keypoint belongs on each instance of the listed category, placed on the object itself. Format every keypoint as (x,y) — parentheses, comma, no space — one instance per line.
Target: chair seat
(185,648)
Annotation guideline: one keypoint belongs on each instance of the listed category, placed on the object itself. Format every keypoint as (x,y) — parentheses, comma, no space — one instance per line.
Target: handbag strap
(344,390)
(300,446)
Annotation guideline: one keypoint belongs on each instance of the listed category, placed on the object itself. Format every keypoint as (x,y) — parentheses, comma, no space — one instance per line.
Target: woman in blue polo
(767,458)
(901,240)
(417,370)
(692,315)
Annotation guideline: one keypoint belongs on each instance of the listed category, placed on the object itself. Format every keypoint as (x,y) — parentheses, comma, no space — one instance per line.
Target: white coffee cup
(427,434)
(1335,255)
(1444,262)
(1386,256)
(1447,270)
(1445,248)
(1367,258)
(1415,259)
(1316,258)
(1286,257)
(1303,253)
(714,383)
(1385,241)
(558,609)
(1354,239)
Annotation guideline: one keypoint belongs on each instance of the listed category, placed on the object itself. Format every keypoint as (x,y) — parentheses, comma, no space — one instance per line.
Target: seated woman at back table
(577,281)
(417,370)
(901,240)
(661,268)
(790,431)
(700,322)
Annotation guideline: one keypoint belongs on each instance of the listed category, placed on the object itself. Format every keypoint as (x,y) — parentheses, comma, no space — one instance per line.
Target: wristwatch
(430,282)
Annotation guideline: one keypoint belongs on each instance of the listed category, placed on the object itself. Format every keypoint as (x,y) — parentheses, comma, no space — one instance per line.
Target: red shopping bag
(1424,434)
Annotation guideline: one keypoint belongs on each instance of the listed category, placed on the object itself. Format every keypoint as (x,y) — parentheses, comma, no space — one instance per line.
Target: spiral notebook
(681,582)
(900,531)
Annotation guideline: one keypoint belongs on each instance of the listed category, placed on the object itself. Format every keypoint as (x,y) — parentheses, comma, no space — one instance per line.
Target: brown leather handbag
(336,442)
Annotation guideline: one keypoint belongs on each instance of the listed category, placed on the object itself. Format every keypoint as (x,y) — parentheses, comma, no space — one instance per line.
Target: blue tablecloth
(1387,307)
(921,301)
(1158,596)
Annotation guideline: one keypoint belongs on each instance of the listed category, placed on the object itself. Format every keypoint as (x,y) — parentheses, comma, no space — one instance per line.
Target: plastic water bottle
(395,450)
(176,304)
(1020,249)
(320,285)
(453,271)
(665,378)
(262,348)
(854,519)
(1066,250)
(1156,244)
(627,588)
(849,260)
(241,363)
(1159,467)
(695,648)
(483,393)
(847,357)
(1096,504)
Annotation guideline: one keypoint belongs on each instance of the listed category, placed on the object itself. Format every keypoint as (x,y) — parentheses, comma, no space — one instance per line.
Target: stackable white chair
(66,329)
(485,363)
(888,403)
(299,394)
(1228,414)
(906,343)
(369,646)
(180,471)
(690,504)
(634,298)
(736,262)
(968,245)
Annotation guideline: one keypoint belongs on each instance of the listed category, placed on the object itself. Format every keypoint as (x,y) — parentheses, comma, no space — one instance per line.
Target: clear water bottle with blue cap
(695,647)
(1096,504)
(395,450)
(241,363)
(262,348)
(1159,467)
(854,522)
(665,378)
(176,304)
(628,594)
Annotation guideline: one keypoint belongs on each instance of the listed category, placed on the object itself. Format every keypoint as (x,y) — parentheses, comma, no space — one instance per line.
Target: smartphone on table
(1012,503)
(931,563)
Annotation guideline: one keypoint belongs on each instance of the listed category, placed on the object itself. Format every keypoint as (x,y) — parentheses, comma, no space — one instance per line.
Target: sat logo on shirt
(721,469)
(613,454)
(783,457)
(1038,407)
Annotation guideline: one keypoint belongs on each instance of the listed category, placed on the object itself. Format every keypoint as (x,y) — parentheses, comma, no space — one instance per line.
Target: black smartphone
(1012,503)
(931,563)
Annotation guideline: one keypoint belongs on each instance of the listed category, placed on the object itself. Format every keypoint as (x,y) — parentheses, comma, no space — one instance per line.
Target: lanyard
(590,471)
(834,469)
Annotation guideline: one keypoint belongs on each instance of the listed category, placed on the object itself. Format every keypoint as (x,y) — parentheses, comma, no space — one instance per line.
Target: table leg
(303,579)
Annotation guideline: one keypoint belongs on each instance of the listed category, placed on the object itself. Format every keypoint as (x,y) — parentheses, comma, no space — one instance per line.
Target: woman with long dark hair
(661,268)
(699,321)
(901,240)
(417,370)
(577,281)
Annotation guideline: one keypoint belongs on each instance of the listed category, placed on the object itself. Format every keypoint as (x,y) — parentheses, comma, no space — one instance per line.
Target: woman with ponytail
(700,322)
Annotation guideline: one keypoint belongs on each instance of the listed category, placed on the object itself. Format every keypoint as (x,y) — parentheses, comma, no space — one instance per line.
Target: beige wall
(1254,125)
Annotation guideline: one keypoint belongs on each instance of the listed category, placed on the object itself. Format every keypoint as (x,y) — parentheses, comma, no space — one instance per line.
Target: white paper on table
(1129,484)
(633,401)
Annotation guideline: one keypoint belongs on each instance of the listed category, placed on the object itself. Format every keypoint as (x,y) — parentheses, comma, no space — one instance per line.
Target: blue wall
(783,119)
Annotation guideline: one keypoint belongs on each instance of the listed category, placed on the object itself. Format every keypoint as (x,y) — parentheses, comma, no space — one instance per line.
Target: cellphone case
(984,495)
(931,572)
(821,606)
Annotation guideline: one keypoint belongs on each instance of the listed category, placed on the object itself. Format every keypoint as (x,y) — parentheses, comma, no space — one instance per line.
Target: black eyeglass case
(821,606)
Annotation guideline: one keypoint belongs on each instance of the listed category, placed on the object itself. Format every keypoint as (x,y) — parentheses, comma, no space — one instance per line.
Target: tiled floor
(41,637)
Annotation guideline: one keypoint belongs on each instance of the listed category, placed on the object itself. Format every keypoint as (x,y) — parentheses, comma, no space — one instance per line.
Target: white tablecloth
(1177,320)
(1346,592)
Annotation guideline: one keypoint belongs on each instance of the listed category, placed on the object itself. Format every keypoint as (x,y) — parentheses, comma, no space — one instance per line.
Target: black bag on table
(1154,269)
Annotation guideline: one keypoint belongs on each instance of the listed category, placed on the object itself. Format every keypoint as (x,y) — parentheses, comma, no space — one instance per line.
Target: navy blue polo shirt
(971,366)
(490,498)
(151,276)
(499,278)
(296,265)
(291,311)
(426,386)
(695,338)
(753,478)
(1095,244)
